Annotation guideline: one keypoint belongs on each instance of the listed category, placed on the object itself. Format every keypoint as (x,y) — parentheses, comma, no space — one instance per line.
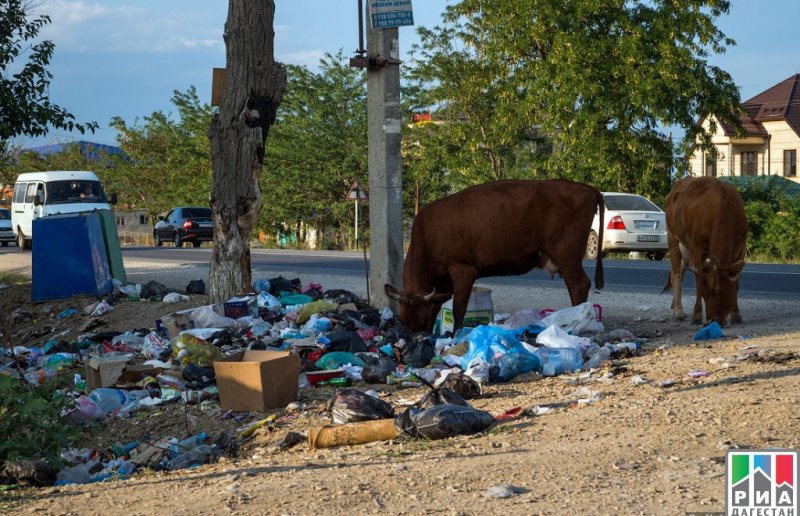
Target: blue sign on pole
(390,13)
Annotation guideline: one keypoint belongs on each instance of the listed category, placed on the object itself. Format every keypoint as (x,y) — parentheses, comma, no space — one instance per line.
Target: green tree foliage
(169,160)
(596,78)
(25,107)
(315,151)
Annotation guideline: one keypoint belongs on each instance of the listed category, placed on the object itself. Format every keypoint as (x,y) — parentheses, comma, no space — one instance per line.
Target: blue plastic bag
(501,350)
(709,332)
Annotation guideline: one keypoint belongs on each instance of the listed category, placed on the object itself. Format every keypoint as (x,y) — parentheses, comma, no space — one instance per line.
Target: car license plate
(206,224)
(647,238)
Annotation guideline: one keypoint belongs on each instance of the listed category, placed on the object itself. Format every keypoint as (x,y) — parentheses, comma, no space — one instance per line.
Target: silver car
(632,223)
(6,233)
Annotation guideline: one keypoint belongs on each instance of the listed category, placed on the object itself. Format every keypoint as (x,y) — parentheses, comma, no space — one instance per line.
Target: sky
(126,57)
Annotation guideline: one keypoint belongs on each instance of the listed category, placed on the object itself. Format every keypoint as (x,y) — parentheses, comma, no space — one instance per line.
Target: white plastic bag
(555,337)
(575,320)
(206,317)
(174,297)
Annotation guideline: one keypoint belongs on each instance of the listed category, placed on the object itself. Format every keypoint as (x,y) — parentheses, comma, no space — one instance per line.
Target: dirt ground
(652,448)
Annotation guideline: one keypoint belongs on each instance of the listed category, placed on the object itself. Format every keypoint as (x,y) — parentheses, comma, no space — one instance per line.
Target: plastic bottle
(178,447)
(193,457)
(597,357)
(108,400)
(558,360)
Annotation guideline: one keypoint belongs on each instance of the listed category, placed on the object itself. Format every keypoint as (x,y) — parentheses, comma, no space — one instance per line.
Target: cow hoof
(679,317)
(697,320)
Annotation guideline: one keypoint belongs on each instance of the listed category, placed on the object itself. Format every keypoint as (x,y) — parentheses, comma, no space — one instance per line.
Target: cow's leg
(677,270)
(697,312)
(576,280)
(463,278)
(736,317)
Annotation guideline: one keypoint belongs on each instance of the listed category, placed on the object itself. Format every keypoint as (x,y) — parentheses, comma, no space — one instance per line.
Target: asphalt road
(758,280)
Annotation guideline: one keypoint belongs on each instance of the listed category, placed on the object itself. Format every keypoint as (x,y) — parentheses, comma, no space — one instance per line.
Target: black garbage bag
(197,376)
(154,289)
(348,341)
(417,352)
(463,385)
(341,297)
(353,405)
(197,286)
(441,396)
(396,332)
(281,284)
(376,369)
(443,421)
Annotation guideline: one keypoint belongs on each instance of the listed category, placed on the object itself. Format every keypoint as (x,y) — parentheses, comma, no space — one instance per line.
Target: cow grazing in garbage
(707,231)
(502,228)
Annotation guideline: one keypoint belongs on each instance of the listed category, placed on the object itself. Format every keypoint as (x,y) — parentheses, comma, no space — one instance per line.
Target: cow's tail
(599,282)
(668,286)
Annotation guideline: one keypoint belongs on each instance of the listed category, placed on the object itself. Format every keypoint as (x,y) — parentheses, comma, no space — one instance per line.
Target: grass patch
(12,278)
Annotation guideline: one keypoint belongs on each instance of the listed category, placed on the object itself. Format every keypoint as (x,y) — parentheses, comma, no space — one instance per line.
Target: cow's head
(722,288)
(418,310)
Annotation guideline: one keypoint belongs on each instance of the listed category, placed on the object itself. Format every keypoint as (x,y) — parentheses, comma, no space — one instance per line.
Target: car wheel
(178,241)
(196,244)
(591,246)
(156,239)
(22,243)
(656,256)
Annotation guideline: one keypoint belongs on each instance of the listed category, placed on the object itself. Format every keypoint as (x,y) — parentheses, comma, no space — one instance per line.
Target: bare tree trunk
(254,88)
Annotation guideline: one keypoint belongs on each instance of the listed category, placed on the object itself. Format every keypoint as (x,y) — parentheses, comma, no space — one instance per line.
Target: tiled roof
(752,126)
(780,102)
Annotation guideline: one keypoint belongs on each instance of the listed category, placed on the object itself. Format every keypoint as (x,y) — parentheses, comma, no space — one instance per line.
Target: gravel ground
(656,448)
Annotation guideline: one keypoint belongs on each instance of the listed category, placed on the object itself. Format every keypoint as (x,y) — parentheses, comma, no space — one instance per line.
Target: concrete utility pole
(384,120)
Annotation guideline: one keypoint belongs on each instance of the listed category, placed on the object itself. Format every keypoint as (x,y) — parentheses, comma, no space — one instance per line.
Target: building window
(790,163)
(711,165)
(749,163)
(142,219)
(120,221)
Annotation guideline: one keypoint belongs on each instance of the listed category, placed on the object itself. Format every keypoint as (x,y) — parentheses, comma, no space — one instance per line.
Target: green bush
(31,422)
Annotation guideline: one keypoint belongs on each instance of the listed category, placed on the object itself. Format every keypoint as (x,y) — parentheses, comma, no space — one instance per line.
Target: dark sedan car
(185,224)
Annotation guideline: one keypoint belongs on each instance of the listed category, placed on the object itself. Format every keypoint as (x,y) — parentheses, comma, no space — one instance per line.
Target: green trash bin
(113,250)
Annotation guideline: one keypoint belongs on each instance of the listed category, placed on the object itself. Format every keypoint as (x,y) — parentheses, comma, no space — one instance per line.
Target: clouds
(146,27)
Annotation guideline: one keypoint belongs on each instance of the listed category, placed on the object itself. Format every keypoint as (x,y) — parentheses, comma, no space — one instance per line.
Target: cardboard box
(105,371)
(480,310)
(256,380)
(136,373)
(240,307)
(174,323)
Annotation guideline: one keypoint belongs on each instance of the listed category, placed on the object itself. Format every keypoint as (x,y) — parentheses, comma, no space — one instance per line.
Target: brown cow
(502,228)
(707,234)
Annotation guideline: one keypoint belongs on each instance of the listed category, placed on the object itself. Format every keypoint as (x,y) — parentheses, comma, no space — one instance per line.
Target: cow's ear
(736,270)
(392,292)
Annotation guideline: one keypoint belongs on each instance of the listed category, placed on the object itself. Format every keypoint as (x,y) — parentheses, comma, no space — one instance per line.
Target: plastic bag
(555,337)
(315,307)
(174,297)
(575,320)
(189,349)
(443,396)
(261,285)
(337,359)
(504,354)
(196,287)
(268,301)
(206,317)
(460,383)
(417,352)
(376,369)
(443,421)
(353,405)
(346,341)
(711,331)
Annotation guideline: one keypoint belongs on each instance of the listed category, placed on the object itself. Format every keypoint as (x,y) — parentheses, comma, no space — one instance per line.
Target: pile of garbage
(338,339)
